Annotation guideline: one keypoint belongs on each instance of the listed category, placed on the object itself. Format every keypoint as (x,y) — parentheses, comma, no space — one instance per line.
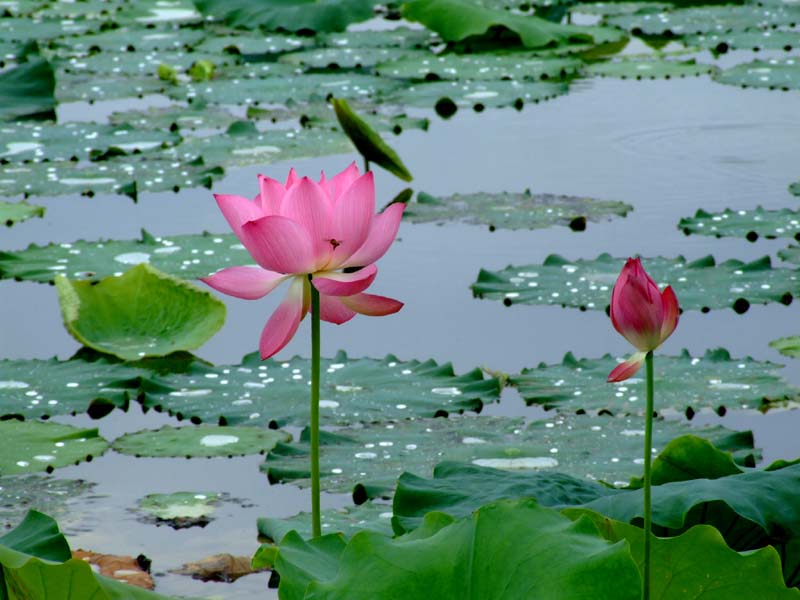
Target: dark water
(666,147)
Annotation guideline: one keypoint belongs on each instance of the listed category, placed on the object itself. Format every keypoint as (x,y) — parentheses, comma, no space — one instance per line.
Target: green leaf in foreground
(788,346)
(368,460)
(650,69)
(199,441)
(368,142)
(773,73)
(36,563)
(750,224)
(16,212)
(473,19)
(273,392)
(685,384)
(28,90)
(508,210)
(30,446)
(288,15)
(469,559)
(347,521)
(142,313)
(701,284)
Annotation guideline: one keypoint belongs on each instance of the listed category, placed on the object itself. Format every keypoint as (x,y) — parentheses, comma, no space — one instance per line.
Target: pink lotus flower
(643,314)
(324,234)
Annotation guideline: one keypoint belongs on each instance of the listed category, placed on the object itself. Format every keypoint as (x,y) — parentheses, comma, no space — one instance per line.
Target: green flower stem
(316,525)
(366,164)
(648,445)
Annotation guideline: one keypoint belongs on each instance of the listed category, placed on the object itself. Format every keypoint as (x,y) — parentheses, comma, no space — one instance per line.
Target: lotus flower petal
(340,182)
(307,204)
(636,309)
(345,284)
(249,283)
(627,369)
(279,244)
(371,305)
(283,323)
(238,211)
(333,310)
(382,234)
(671,313)
(270,196)
(352,218)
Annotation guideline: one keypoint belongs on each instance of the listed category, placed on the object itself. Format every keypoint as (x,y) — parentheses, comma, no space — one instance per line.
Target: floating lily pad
(367,461)
(476,94)
(274,43)
(76,141)
(85,9)
(142,313)
(27,90)
(280,90)
(155,12)
(586,284)
(650,69)
(517,66)
(180,510)
(685,384)
(400,37)
(26,30)
(794,188)
(790,254)
(32,389)
(86,87)
(347,521)
(745,40)
(175,118)
(138,64)
(288,15)
(16,212)
(126,175)
(30,446)
(199,441)
(128,39)
(788,346)
(508,210)
(613,9)
(774,73)
(475,20)
(60,497)
(353,390)
(750,224)
(345,57)
(708,19)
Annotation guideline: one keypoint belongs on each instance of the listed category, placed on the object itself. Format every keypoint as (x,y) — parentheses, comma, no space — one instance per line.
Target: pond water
(666,147)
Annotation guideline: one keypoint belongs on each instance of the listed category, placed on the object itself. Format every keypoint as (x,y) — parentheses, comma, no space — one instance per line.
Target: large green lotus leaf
(788,346)
(586,284)
(280,90)
(613,9)
(790,254)
(30,446)
(87,87)
(650,69)
(469,559)
(699,564)
(126,175)
(369,460)
(773,73)
(175,118)
(16,212)
(345,57)
(60,497)
(33,389)
(127,39)
(248,43)
(141,313)
(188,256)
(476,94)
(142,64)
(708,19)
(685,384)
(750,224)
(76,141)
(27,90)
(745,40)
(254,147)
(517,65)
(400,37)
(40,30)
(85,9)
(458,489)
(347,521)
(196,441)
(276,393)
(36,563)
(508,210)
(288,15)
(474,19)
